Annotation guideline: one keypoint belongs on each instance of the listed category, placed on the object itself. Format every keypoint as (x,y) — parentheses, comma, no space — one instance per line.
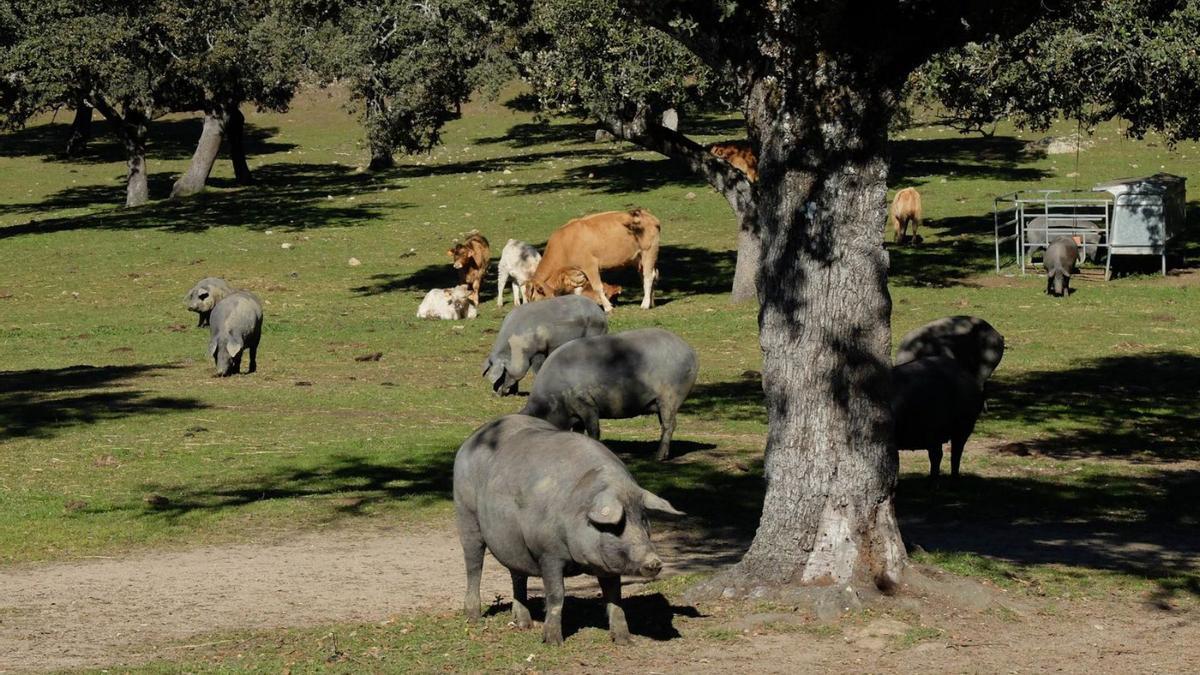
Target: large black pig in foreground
(549,503)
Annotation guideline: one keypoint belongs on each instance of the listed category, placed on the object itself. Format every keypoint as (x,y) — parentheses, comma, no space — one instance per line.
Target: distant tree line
(408,65)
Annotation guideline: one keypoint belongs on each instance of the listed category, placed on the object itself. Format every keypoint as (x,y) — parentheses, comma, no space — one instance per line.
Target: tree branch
(730,182)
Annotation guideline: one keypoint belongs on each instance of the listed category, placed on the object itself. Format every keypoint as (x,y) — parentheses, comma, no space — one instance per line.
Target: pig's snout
(651,566)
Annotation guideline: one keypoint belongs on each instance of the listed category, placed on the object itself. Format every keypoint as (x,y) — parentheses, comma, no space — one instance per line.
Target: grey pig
(549,503)
(971,341)
(1060,262)
(533,330)
(236,326)
(1040,236)
(615,376)
(205,295)
(934,400)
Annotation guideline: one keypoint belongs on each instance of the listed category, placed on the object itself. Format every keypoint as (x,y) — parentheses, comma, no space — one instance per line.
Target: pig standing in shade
(1060,261)
(551,504)
(934,400)
(533,330)
(205,295)
(235,326)
(971,341)
(615,376)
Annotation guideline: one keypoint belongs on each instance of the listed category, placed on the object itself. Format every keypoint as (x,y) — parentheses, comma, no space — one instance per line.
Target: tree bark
(81,129)
(207,149)
(381,158)
(235,133)
(132,126)
(828,516)
(749,252)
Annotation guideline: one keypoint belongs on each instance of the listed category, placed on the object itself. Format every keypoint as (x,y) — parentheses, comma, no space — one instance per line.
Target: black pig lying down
(615,376)
(550,503)
(533,330)
(934,400)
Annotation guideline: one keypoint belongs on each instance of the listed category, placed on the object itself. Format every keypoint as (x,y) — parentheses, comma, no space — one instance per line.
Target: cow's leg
(895,229)
(935,460)
(518,293)
(501,282)
(593,276)
(649,265)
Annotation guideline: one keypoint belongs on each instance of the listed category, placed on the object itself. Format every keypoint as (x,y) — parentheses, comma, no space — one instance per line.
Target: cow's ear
(606,509)
(477,254)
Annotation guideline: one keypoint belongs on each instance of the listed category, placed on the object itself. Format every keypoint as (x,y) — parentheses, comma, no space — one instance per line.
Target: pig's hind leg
(520,584)
(473,547)
(552,580)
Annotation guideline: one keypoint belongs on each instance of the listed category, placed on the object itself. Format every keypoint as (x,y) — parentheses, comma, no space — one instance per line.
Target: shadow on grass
(169,140)
(287,197)
(530,134)
(1140,407)
(972,157)
(38,403)
(650,616)
(1125,524)
(741,400)
(683,271)
(352,483)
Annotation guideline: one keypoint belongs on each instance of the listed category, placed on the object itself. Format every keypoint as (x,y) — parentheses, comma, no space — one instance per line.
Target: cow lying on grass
(597,242)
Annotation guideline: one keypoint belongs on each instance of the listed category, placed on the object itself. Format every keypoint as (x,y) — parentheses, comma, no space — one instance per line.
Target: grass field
(114,437)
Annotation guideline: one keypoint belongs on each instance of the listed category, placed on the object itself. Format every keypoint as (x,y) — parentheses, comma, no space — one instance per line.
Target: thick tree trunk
(235,133)
(81,129)
(749,253)
(203,158)
(381,158)
(828,516)
(134,131)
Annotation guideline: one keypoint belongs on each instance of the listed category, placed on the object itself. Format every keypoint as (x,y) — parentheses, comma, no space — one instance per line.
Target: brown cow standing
(739,154)
(597,242)
(471,259)
(906,208)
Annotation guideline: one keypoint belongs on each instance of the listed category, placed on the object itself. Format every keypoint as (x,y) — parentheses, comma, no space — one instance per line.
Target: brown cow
(597,242)
(574,280)
(906,208)
(739,154)
(471,259)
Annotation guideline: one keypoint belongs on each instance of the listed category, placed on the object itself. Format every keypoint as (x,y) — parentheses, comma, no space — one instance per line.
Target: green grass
(115,437)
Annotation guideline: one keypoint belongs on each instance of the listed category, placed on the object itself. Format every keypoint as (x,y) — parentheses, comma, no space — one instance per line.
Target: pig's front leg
(617,628)
(552,580)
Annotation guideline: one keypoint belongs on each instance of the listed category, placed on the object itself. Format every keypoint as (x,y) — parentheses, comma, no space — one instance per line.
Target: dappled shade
(1140,407)
(288,197)
(1129,524)
(38,403)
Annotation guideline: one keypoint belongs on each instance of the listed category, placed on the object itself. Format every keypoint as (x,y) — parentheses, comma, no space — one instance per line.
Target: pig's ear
(606,509)
(233,346)
(653,502)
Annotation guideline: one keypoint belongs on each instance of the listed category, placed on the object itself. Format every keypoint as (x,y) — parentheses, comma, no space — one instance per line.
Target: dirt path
(100,612)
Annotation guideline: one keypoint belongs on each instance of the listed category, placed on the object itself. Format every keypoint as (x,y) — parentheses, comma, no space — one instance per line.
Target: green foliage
(1131,59)
(409,65)
(596,58)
